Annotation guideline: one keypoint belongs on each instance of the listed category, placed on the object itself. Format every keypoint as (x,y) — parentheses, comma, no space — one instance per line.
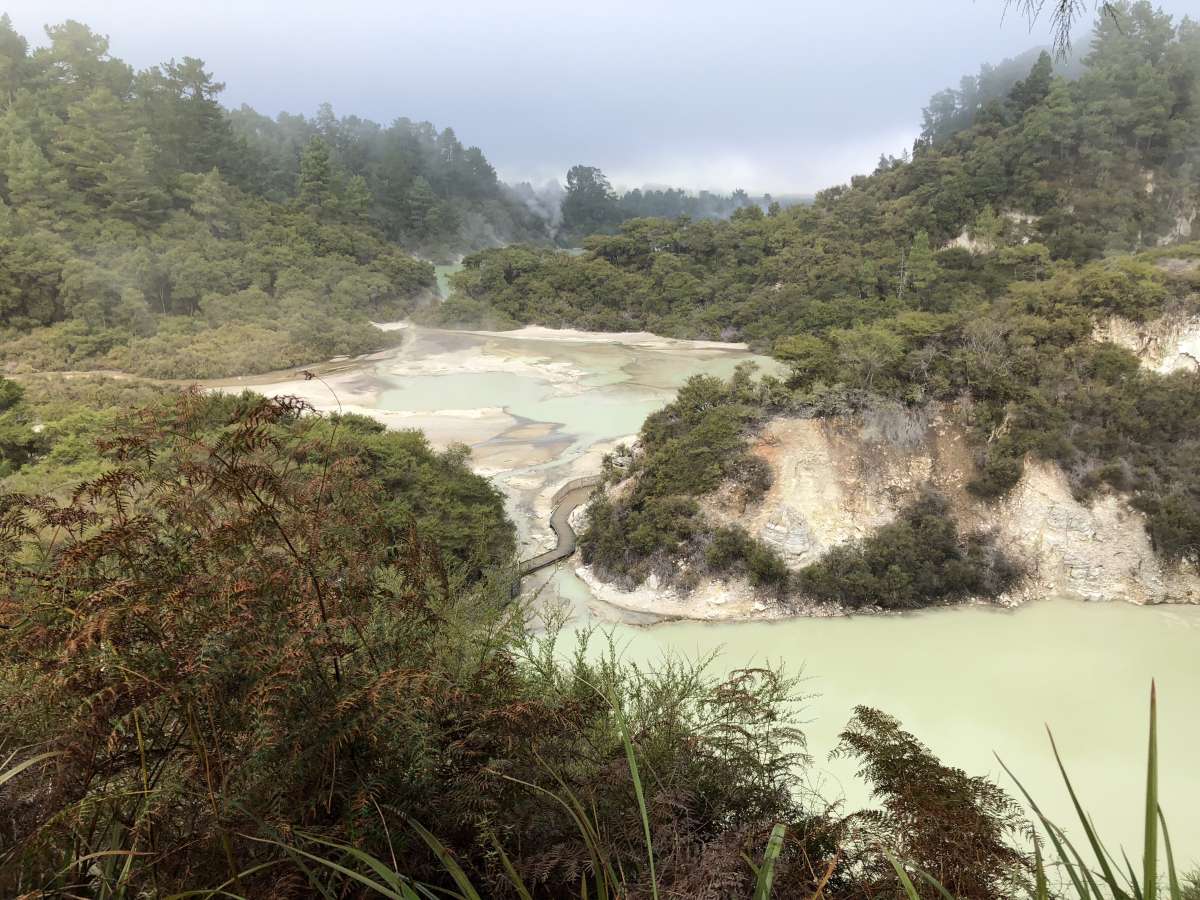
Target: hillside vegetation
(1054,175)
(1043,194)
(250,650)
(55,434)
(145,229)
(419,186)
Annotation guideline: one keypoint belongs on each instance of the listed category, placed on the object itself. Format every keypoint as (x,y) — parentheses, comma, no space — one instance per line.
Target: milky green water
(604,412)
(973,682)
(620,386)
(969,682)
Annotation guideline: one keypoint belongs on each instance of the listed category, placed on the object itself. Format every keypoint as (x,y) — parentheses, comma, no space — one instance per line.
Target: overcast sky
(762,94)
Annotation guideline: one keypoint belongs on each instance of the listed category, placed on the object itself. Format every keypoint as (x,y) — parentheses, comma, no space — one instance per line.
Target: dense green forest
(590,206)
(954,109)
(144,228)
(422,188)
(1055,174)
(54,433)
(126,243)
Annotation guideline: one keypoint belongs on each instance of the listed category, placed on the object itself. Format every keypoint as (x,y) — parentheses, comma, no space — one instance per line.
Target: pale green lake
(976,681)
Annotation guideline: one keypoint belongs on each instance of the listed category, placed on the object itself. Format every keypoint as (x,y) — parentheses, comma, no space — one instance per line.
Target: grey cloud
(764,94)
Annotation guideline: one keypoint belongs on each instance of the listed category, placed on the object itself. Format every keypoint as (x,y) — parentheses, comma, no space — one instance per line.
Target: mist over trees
(591,206)
(420,186)
(954,109)
(132,235)
(250,650)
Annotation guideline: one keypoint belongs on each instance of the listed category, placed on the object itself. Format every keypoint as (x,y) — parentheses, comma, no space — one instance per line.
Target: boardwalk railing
(573,484)
(564,502)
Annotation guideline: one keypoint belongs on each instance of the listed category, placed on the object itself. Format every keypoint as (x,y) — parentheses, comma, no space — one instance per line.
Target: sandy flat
(354,388)
(480,361)
(712,601)
(643,339)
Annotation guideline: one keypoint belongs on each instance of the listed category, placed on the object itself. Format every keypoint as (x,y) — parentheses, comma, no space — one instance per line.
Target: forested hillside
(954,109)
(252,650)
(974,276)
(143,228)
(1057,173)
(591,206)
(421,187)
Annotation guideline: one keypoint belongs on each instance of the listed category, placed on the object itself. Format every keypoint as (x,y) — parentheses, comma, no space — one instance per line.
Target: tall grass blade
(1083,868)
(910,890)
(452,868)
(577,813)
(9,774)
(1041,888)
(637,789)
(766,872)
(1176,892)
(1150,848)
(935,884)
(605,876)
(510,871)
(1097,846)
(219,890)
(1081,888)
(388,874)
(336,867)
(1133,881)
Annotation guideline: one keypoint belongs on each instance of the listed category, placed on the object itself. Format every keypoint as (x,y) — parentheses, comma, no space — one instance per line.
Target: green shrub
(996,476)
(917,560)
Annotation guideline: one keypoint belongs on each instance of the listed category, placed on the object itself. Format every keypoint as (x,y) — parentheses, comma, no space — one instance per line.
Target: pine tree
(420,200)
(1033,90)
(356,199)
(922,268)
(128,184)
(38,190)
(97,130)
(14,52)
(211,204)
(189,125)
(315,187)
(79,60)
(987,229)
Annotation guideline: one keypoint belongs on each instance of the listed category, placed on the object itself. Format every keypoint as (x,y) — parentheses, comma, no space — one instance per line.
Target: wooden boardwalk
(567,501)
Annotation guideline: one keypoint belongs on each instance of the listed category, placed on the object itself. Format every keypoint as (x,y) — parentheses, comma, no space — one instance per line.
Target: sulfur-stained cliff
(841,479)
(1168,344)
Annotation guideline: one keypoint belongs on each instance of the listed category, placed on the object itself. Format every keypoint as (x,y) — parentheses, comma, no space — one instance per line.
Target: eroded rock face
(1096,551)
(1165,345)
(836,480)
(1185,222)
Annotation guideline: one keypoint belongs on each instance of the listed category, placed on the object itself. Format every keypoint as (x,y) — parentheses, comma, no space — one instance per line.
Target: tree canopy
(145,228)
